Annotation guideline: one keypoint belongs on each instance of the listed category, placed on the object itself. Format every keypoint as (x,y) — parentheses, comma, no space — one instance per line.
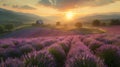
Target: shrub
(108,40)
(39,59)
(12,52)
(2,29)
(84,60)
(26,49)
(2,54)
(96,23)
(37,47)
(87,41)
(12,63)
(58,54)
(4,45)
(65,47)
(9,27)
(115,22)
(110,54)
(78,48)
(79,25)
(47,43)
(94,45)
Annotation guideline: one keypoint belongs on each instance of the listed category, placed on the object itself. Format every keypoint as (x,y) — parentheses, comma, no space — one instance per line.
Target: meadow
(59,33)
(97,50)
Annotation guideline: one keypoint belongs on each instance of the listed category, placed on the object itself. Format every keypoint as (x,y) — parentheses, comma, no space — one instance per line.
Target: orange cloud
(70,4)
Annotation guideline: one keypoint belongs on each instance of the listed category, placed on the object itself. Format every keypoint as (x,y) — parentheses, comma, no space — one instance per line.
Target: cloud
(23,7)
(69,4)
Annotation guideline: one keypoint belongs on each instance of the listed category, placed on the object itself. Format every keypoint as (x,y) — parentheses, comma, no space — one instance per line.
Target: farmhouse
(39,22)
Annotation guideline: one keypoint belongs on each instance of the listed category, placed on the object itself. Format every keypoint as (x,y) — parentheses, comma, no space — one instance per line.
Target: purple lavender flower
(26,49)
(110,54)
(94,45)
(39,59)
(84,60)
(12,52)
(58,53)
(12,63)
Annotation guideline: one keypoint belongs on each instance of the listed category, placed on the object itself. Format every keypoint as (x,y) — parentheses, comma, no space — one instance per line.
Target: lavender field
(59,33)
(98,50)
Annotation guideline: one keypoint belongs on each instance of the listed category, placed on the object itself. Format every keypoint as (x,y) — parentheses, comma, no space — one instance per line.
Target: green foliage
(39,59)
(115,22)
(110,54)
(66,48)
(37,47)
(4,46)
(9,27)
(96,23)
(78,25)
(59,57)
(90,30)
(2,29)
(26,49)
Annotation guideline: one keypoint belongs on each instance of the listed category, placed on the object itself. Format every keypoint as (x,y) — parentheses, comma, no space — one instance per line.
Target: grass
(89,30)
(15,29)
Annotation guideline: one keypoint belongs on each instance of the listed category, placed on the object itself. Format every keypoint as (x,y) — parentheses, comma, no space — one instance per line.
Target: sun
(69,15)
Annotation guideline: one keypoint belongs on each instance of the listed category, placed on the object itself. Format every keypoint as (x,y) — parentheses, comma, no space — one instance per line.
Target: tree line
(6,28)
(100,23)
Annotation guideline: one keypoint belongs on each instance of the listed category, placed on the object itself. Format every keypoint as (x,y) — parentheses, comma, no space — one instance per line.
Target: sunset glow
(59,33)
(69,15)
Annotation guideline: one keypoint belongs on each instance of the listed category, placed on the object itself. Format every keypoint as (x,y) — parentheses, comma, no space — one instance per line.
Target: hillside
(103,17)
(7,16)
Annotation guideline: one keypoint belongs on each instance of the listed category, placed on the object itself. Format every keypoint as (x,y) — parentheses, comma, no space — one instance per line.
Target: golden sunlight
(69,15)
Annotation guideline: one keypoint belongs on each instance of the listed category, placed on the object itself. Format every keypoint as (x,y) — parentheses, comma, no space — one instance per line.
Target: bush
(84,60)
(58,54)
(79,25)
(96,23)
(115,22)
(9,27)
(39,59)
(4,46)
(26,49)
(94,45)
(37,47)
(2,54)
(12,52)
(110,54)
(2,29)
(65,47)
(12,63)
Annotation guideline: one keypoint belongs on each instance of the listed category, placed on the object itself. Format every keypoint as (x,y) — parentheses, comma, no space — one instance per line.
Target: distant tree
(96,23)
(2,29)
(104,24)
(115,22)
(9,27)
(79,25)
(58,23)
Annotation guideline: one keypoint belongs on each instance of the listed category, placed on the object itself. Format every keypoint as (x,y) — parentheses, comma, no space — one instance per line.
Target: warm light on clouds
(69,15)
(59,9)
(70,4)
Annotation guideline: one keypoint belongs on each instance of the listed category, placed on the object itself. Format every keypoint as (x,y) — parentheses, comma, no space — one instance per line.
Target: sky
(59,8)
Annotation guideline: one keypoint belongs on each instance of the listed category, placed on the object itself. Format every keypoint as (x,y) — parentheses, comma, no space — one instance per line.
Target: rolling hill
(103,17)
(8,16)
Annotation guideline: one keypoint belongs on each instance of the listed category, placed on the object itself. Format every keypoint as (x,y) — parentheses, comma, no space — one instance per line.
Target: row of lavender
(100,50)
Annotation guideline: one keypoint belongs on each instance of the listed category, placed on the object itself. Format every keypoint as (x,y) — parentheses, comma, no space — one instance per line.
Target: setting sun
(69,15)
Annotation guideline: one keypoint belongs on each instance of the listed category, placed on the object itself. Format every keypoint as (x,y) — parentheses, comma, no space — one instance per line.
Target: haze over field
(56,10)
(59,33)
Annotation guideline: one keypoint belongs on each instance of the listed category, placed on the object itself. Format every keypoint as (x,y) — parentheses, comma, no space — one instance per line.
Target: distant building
(39,22)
